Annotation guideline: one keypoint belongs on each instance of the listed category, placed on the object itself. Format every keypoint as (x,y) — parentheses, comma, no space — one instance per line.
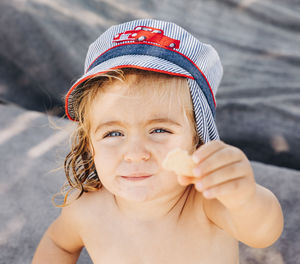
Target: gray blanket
(42,49)
(31,161)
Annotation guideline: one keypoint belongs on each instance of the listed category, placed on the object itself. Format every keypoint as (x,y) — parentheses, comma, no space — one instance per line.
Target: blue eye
(160,130)
(113,134)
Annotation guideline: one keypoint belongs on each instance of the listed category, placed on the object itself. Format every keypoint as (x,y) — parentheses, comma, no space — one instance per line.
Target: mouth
(136,177)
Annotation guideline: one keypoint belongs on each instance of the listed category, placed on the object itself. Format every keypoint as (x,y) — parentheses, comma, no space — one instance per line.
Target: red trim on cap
(117,67)
(152,44)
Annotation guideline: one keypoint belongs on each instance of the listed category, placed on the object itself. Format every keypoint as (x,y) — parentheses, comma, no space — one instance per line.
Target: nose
(136,151)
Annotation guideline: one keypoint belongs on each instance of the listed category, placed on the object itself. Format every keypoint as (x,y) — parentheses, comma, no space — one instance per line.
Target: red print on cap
(148,34)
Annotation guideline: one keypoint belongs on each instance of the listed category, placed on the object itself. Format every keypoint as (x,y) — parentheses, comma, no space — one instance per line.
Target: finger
(219,159)
(221,175)
(225,189)
(206,150)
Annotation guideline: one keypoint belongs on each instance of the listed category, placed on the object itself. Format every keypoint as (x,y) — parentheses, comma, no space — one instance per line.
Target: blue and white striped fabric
(196,61)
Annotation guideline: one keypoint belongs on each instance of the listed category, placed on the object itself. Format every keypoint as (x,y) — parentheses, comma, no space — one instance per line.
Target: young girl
(149,88)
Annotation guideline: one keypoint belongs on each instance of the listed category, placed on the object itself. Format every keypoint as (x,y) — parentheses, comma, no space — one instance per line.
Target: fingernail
(207,194)
(196,172)
(199,186)
(195,159)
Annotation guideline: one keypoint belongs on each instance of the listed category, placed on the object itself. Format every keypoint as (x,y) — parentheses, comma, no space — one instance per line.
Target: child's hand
(223,172)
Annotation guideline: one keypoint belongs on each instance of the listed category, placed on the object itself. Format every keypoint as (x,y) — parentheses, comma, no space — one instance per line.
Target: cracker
(180,162)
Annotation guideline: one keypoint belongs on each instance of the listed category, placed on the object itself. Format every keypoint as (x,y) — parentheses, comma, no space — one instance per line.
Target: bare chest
(193,239)
(183,244)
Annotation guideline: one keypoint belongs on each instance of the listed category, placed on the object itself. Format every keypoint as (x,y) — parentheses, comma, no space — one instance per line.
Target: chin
(136,195)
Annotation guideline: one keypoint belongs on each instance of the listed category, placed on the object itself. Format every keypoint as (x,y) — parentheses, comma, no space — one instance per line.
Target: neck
(155,209)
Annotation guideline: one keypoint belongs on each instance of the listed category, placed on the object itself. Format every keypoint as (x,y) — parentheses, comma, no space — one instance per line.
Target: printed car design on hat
(149,34)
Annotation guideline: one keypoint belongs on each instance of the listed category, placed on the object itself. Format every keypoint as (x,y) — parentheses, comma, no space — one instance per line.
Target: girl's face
(131,135)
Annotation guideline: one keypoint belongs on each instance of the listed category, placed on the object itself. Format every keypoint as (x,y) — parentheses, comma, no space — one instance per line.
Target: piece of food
(180,162)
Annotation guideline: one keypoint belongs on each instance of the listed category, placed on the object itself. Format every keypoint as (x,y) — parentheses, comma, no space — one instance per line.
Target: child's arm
(257,223)
(234,202)
(61,242)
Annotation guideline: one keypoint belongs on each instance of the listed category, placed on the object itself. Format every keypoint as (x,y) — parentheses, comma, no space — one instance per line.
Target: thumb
(185,180)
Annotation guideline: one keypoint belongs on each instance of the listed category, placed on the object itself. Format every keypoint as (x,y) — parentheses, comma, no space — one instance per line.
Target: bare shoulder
(194,207)
(205,212)
(218,215)
(67,231)
(86,207)
(203,209)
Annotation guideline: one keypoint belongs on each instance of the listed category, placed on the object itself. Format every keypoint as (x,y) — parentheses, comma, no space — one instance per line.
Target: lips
(136,176)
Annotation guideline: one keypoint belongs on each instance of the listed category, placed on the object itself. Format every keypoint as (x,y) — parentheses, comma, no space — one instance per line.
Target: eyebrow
(108,124)
(163,120)
(152,121)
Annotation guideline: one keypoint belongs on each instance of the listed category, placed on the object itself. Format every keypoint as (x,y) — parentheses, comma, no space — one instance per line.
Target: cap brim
(143,62)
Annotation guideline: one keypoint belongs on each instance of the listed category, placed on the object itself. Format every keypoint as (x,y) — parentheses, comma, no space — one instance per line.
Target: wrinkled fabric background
(42,49)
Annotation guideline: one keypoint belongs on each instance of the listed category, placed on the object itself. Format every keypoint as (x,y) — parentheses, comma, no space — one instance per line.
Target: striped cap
(164,47)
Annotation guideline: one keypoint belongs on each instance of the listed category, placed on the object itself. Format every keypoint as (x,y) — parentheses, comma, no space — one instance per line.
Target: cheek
(184,141)
(160,150)
(105,159)
(190,137)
